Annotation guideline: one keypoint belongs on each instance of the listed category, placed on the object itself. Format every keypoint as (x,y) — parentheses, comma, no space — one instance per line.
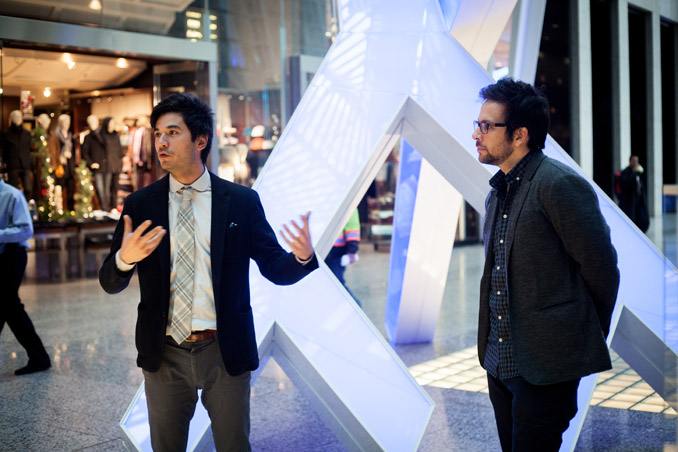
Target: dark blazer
(562,275)
(239,232)
(114,151)
(94,151)
(16,148)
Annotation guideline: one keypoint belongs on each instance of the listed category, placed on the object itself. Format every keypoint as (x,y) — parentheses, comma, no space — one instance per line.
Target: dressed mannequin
(142,147)
(16,154)
(94,153)
(114,155)
(61,147)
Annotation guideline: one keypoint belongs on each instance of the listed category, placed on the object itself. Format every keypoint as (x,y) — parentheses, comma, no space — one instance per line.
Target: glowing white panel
(526,39)
(479,24)
(424,225)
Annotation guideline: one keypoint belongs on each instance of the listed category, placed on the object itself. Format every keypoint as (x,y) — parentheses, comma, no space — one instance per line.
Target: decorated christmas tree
(83,195)
(47,209)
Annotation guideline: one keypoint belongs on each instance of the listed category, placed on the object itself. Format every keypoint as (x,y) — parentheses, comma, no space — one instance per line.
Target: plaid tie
(183,292)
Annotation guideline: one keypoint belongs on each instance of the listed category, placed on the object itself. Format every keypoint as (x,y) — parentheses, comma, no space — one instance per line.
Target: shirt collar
(201,184)
(501,180)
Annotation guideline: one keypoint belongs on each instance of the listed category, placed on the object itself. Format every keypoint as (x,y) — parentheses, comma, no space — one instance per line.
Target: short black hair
(196,113)
(524,106)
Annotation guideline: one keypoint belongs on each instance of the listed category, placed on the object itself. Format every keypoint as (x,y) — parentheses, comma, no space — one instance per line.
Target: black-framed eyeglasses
(485,126)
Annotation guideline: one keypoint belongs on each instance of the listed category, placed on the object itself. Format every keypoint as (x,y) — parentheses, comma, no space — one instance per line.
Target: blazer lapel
(519,200)
(160,217)
(221,204)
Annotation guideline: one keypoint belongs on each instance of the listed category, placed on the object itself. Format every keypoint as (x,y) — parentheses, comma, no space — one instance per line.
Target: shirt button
(501,241)
(505,216)
(499,292)
(499,317)
(501,340)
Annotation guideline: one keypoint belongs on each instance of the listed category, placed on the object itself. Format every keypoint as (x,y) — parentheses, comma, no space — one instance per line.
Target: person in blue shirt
(16,227)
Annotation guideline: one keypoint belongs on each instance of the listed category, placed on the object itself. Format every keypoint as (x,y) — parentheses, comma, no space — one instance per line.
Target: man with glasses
(550,279)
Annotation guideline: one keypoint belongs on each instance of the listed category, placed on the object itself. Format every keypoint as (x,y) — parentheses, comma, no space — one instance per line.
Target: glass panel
(252,109)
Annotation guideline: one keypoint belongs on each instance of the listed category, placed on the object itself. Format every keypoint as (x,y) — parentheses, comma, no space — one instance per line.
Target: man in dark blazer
(550,279)
(218,350)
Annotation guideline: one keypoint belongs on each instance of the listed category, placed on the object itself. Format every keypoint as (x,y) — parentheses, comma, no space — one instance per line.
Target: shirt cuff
(304,262)
(122,266)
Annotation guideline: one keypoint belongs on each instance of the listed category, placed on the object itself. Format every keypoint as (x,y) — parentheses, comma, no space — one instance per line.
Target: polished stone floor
(76,406)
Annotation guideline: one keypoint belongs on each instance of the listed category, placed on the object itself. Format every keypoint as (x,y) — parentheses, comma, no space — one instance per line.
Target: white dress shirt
(204,312)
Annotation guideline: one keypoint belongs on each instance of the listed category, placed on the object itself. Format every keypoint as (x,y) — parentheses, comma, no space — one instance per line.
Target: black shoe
(33,367)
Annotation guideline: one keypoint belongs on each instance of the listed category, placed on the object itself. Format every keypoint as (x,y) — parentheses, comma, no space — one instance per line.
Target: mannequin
(44,122)
(61,147)
(143,152)
(16,154)
(114,155)
(94,153)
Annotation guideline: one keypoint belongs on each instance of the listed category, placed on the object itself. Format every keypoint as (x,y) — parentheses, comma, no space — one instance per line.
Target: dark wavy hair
(524,106)
(195,112)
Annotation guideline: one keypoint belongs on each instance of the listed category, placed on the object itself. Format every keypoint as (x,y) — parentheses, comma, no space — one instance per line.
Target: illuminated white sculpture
(394,71)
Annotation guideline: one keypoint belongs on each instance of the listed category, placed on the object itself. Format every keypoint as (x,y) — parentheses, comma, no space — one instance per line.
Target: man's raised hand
(300,244)
(136,245)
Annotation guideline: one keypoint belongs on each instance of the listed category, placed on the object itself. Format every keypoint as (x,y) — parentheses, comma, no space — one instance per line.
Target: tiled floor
(76,406)
(619,387)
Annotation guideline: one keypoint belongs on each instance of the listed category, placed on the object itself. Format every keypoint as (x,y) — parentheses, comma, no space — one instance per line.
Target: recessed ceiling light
(95,5)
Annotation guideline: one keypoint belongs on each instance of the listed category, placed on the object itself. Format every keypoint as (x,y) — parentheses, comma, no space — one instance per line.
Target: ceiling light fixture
(121,63)
(68,59)
(95,5)
(47,92)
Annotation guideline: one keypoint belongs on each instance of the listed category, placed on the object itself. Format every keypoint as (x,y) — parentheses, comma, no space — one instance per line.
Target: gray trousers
(172,393)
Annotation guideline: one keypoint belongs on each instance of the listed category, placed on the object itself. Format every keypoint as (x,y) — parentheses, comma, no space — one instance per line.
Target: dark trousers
(26,177)
(532,417)
(12,267)
(172,393)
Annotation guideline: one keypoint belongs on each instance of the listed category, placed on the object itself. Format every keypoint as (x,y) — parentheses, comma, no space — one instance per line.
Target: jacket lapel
(221,204)
(160,217)
(519,200)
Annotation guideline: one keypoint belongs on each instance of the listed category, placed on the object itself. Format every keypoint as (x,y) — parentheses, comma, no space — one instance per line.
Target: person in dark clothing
(550,278)
(16,153)
(114,155)
(195,327)
(633,196)
(16,227)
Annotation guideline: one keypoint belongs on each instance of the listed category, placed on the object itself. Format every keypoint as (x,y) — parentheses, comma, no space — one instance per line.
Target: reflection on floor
(619,387)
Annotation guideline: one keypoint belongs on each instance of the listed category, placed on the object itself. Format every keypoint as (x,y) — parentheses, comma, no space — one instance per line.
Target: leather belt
(201,335)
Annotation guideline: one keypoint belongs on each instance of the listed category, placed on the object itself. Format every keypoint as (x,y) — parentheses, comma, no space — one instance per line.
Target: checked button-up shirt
(499,359)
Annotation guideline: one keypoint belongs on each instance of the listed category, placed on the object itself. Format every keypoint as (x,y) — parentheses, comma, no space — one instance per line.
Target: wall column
(654,116)
(582,86)
(621,86)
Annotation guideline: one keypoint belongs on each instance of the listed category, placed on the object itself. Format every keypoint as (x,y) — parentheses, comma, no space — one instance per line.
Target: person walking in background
(633,196)
(344,252)
(195,328)
(550,279)
(16,227)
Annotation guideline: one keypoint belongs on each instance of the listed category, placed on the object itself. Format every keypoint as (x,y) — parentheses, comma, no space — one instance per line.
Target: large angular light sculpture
(395,71)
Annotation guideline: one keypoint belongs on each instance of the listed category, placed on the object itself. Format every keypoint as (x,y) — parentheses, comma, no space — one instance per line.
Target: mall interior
(78,69)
